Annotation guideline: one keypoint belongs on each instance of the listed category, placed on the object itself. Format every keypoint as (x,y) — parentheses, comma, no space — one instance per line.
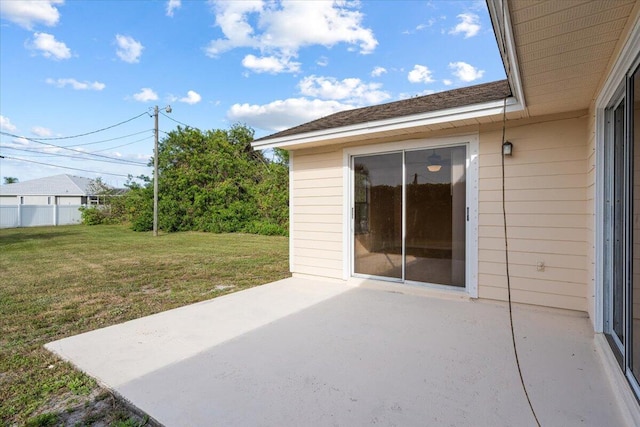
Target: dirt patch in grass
(99,409)
(61,281)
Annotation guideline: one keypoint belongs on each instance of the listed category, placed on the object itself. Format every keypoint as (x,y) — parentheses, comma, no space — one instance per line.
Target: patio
(301,352)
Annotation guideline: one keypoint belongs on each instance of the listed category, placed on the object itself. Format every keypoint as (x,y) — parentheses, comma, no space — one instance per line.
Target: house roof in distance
(471,95)
(57,185)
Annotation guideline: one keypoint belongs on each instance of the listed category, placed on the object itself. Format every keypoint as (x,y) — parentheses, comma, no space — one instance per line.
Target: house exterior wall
(547,217)
(547,211)
(37,200)
(316,212)
(43,200)
(9,200)
(71,200)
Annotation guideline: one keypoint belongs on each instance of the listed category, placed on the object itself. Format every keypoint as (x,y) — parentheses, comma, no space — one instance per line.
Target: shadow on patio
(300,352)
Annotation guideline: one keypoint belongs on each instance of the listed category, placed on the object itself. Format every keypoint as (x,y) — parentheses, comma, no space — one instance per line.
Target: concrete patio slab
(301,352)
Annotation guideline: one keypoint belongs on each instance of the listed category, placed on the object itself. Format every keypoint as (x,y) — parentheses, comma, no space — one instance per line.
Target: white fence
(36,215)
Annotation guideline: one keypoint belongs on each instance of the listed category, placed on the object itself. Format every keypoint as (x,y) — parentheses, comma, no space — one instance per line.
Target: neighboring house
(52,190)
(411,191)
(54,200)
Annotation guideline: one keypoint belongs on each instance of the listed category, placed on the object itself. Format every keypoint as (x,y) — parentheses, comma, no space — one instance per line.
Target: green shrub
(138,206)
(92,215)
(103,214)
(265,229)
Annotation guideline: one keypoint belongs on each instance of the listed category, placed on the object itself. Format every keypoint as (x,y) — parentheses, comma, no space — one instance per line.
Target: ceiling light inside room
(435,163)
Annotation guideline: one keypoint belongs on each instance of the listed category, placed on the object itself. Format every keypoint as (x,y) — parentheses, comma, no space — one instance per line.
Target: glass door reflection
(422,192)
(378,215)
(436,216)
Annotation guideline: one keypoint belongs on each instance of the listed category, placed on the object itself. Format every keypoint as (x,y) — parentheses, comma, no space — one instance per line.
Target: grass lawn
(61,281)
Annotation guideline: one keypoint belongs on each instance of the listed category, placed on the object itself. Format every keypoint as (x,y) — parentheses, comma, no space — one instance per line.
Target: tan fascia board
(501,19)
(329,136)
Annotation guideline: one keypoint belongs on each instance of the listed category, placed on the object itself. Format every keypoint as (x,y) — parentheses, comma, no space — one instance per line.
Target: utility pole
(155,169)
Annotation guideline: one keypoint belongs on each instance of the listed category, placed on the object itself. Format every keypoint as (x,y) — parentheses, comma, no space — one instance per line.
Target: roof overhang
(398,125)
(503,31)
(558,54)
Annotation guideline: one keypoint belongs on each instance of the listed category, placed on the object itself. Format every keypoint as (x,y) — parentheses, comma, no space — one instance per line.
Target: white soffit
(564,48)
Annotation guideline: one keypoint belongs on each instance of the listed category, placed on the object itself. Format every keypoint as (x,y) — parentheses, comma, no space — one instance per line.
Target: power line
(123,145)
(178,121)
(108,140)
(92,132)
(40,153)
(63,167)
(56,154)
(71,149)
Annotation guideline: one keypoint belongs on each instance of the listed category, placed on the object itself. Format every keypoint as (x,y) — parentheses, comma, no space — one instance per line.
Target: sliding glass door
(378,215)
(409,215)
(634,218)
(622,228)
(616,183)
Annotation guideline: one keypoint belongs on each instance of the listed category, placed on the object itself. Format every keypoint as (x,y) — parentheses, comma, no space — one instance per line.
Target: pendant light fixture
(435,162)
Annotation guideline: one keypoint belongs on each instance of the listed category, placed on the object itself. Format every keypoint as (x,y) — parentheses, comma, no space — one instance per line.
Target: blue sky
(74,67)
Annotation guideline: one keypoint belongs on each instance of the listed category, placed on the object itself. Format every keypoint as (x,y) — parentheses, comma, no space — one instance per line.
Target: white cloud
(191,98)
(421,27)
(283,114)
(420,74)
(28,13)
(75,84)
(469,25)
(323,61)
(173,5)
(129,49)
(5,124)
(378,71)
(41,131)
(145,95)
(465,72)
(282,28)
(352,90)
(49,47)
(447,82)
(270,64)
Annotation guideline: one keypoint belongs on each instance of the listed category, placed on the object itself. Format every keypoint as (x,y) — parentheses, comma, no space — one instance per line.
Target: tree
(107,209)
(10,180)
(138,203)
(281,156)
(98,187)
(215,181)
